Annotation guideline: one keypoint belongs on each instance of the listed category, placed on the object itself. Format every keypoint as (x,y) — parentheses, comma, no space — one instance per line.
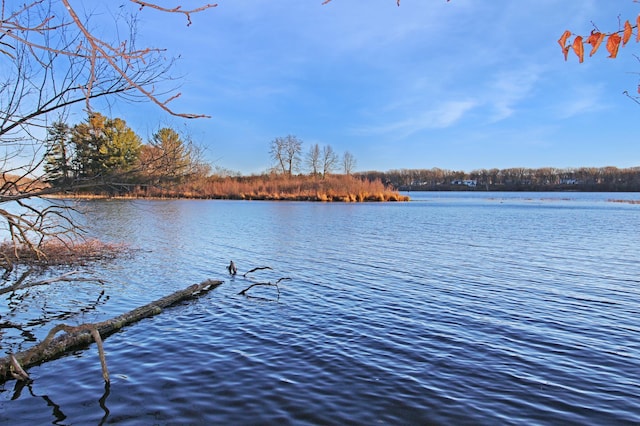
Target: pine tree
(104,147)
(58,158)
(175,156)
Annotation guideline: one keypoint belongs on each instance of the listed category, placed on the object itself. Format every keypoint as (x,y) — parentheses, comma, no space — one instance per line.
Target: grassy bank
(340,188)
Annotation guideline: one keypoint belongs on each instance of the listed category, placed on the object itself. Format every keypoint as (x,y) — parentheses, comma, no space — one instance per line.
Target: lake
(454,308)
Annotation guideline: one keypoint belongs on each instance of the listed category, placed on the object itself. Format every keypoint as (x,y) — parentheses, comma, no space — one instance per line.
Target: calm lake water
(454,308)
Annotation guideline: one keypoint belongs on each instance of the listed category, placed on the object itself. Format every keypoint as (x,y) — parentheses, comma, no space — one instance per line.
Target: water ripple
(442,311)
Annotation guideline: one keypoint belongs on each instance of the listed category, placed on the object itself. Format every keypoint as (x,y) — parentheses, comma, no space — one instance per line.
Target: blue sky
(458,85)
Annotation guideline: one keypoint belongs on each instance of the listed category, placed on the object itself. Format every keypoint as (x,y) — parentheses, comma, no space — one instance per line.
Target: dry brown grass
(59,253)
(340,188)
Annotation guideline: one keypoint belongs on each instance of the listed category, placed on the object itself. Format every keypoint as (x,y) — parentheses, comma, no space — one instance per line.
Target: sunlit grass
(339,188)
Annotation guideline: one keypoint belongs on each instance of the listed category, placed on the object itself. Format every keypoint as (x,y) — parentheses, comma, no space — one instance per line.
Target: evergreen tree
(174,155)
(88,138)
(58,158)
(121,148)
(104,147)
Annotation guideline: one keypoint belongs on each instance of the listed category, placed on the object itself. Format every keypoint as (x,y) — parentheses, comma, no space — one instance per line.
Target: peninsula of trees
(103,156)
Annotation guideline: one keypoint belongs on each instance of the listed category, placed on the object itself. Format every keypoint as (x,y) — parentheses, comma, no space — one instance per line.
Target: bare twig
(244,292)
(103,361)
(64,277)
(18,284)
(177,9)
(259,268)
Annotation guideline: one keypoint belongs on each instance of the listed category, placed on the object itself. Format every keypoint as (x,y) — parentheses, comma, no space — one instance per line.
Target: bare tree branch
(244,292)
(54,60)
(177,9)
(259,268)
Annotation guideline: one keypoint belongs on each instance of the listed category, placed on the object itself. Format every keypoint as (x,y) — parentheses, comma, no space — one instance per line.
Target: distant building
(471,183)
(569,181)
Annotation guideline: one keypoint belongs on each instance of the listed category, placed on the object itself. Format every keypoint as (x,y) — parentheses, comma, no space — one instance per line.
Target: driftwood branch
(64,277)
(259,268)
(16,369)
(103,361)
(244,292)
(19,374)
(82,335)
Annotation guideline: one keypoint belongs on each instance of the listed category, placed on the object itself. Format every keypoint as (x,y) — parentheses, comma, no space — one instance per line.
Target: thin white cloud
(379,73)
(583,101)
(509,89)
(440,116)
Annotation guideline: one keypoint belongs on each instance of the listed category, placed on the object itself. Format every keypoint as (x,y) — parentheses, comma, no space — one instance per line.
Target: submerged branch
(79,336)
(259,268)
(64,277)
(244,292)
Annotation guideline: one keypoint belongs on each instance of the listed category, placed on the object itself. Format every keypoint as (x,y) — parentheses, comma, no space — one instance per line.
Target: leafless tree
(285,152)
(170,157)
(348,163)
(329,160)
(52,61)
(313,159)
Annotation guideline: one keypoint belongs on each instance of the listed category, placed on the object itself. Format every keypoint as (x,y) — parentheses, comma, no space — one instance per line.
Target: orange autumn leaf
(626,36)
(563,39)
(595,40)
(563,43)
(613,44)
(578,48)
(638,27)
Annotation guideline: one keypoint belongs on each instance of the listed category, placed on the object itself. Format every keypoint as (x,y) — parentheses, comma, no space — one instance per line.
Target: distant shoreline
(521,188)
(315,199)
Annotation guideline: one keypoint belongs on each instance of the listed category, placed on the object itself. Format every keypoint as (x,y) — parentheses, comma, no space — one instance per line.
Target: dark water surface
(455,308)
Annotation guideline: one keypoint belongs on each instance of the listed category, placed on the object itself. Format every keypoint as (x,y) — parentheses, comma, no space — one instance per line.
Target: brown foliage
(614,40)
(613,44)
(595,40)
(55,252)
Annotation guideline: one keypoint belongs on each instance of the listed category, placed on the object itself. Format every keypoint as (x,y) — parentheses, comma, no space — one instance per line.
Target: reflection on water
(57,413)
(450,309)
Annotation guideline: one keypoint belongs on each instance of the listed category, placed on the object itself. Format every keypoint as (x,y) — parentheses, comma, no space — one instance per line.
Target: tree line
(512,179)
(102,150)
(286,153)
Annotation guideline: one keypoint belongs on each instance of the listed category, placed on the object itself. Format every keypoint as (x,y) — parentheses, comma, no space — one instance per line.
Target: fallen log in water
(82,335)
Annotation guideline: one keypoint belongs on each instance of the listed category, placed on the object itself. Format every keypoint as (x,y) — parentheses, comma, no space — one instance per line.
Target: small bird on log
(232,268)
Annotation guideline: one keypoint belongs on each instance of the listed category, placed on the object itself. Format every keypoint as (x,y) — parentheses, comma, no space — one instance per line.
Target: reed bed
(341,188)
